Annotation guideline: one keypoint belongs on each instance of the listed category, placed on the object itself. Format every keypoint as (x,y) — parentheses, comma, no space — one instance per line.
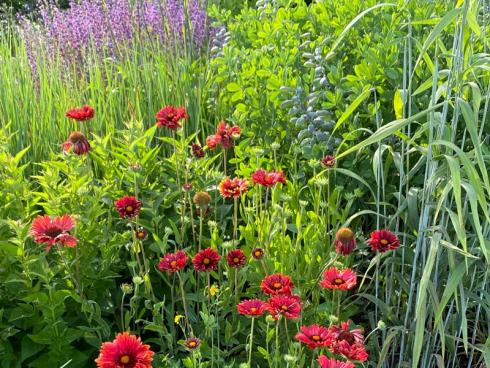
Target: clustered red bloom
(49,231)
(170,117)
(251,307)
(78,143)
(326,362)
(347,342)
(141,234)
(236,258)
(315,336)
(337,279)
(345,241)
(288,306)
(173,262)
(258,253)
(328,161)
(268,179)
(192,343)
(81,114)
(128,207)
(277,284)
(197,150)
(233,187)
(383,240)
(126,351)
(224,136)
(206,260)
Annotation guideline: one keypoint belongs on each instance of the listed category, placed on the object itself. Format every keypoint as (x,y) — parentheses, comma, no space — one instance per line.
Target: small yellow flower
(213,290)
(177,318)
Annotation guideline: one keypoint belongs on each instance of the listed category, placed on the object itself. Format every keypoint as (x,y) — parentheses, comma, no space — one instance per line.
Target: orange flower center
(284,307)
(253,309)
(257,253)
(277,285)
(173,263)
(339,281)
(124,359)
(192,344)
(206,261)
(315,338)
(383,241)
(141,235)
(236,260)
(170,115)
(129,208)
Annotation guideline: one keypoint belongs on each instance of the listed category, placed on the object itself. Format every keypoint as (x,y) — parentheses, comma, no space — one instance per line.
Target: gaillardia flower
(277,284)
(141,234)
(258,254)
(192,343)
(314,336)
(81,114)
(236,258)
(347,342)
(206,260)
(49,231)
(328,161)
(233,187)
(197,150)
(126,351)
(345,241)
(288,306)
(383,240)
(202,199)
(339,280)
(173,262)
(251,307)
(326,362)
(77,143)
(170,117)
(268,179)
(224,136)
(128,207)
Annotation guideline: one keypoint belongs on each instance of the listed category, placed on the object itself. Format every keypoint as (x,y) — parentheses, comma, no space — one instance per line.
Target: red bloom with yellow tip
(268,178)
(334,278)
(233,187)
(288,306)
(383,240)
(326,362)
(192,343)
(49,231)
(170,117)
(128,207)
(251,307)
(258,254)
(236,258)
(126,351)
(314,336)
(173,262)
(277,284)
(81,114)
(206,260)
(328,161)
(345,241)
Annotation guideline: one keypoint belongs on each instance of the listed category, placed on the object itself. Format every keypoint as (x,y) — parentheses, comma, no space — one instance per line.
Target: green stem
(251,344)
(122,313)
(235,220)
(184,302)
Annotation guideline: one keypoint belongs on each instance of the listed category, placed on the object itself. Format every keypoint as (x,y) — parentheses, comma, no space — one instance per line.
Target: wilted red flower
(328,161)
(206,260)
(202,199)
(170,116)
(277,284)
(224,136)
(141,233)
(81,114)
(288,306)
(251,307)
(236,258)
(340,280)
(350,351)
(197,150)
(345,333)
(258,253)
(268,179)
(233,187)
(326,362)
(345,241)
(383,240)
(126,351)
(347,342)
(192,343)
(49,231)
(172,262)
(76,142)
(314,336)
(128,207)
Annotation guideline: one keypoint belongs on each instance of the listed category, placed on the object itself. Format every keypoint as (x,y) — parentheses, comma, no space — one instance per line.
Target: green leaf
(352,107)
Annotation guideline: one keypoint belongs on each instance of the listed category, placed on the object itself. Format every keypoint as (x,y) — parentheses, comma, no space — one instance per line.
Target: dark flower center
(53,232)
(124,359)
(129,208)
(284,307)
(347,336)
(339,281)
(236,260)
(141,235)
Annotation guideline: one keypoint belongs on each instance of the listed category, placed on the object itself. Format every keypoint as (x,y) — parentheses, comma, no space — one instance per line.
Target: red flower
(268,179)
(277,284)
(345,333)
(314,336)
(81,114)
(236,258)
(347,342)
(383,240)
(126,351)
(192,343)
(224,136)
(350,351)
(172,262)
(170,116)
(258,253)
(288,306)
(233,187)
(345,241)
(206,260)
(328,161)
(128,207)
(251,307)
(197,150)
(53,231)
(340,280)
(76,142)
(141,233)
(333,363)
